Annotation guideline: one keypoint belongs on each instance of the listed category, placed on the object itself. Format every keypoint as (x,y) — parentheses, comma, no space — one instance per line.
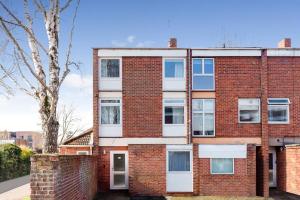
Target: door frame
(112,187)
(273,152)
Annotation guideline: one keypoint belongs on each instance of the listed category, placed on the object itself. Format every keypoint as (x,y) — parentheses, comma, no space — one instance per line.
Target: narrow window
(203,117)
(203,74)
(174,68)
(278,110)
(174,111)
(110,68)
(222,166)
(110,111)
(179,161)
(249,110)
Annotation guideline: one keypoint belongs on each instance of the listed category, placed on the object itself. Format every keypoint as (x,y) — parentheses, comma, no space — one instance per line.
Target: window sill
(283,123)
(204,136)
(250,122)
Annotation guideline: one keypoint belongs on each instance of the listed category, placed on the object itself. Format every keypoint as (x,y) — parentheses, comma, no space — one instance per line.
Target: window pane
(203,82)
(110,114)
(110,101)
(249,115)
(197,123)
(208,66)
(119,179)
(179,161)
(279,101)
(222,165)
(110,68)
(119,162)
(209,105)
(278,113)
(209,124)
(174,69)
(197,66)
(197,104)
(174,115)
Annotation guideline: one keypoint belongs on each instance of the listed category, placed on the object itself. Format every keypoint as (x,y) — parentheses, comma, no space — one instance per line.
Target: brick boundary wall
(63,177)
(288,169)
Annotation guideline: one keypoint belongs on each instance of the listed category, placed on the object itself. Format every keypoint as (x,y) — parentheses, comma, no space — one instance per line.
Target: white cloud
(77,81)
(147,43)
(116,43)
(131,38)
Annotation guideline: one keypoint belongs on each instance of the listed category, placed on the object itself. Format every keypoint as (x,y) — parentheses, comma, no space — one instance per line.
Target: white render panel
(110,94)
(283,52)
(226,52)
(222,151)
(174,85)
(174,95)
(110,131)
(179,147)
(110,84)
(126,141)
(180,182)
(174,130)
(142,52)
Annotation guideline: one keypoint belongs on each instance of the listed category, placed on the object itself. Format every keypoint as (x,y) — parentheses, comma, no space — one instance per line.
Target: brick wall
(242,183)
(104,167)
(147,169)
(288,169)
(63,177)
(63,150)
(235,77)
(142,96)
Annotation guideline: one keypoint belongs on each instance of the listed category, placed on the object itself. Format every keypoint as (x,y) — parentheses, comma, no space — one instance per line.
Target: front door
(118,170)
(272,168)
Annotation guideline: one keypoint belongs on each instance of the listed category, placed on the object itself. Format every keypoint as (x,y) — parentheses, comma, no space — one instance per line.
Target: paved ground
(278,195)
(18,193)
(14,183)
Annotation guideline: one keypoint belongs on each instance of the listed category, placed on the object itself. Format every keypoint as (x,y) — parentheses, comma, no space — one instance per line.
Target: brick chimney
(172,43)
(285,43)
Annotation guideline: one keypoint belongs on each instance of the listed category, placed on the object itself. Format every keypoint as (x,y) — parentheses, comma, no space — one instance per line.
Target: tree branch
(66,5)
(40,7)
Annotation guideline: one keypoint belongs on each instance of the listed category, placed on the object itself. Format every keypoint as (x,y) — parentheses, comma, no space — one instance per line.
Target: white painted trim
(222,151)
(180,147)
(283,52)
(127,141)
(142,52)
(226,52)
(110,94)
(230,173)
(86,152)
(174,95)
(112,187)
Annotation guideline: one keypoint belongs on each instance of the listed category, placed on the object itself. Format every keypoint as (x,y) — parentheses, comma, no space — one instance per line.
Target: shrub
(14,161)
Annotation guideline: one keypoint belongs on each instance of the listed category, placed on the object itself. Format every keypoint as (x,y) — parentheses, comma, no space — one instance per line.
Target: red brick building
(216,121)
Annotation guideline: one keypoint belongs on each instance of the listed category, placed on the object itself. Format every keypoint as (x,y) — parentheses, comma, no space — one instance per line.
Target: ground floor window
(222,166)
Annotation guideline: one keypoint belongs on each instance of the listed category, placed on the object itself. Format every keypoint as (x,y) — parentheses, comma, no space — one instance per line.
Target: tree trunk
(50,136)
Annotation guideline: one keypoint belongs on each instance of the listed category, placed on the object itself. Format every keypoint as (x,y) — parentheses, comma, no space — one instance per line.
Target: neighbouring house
(81,144)
(196,121)
(29,139)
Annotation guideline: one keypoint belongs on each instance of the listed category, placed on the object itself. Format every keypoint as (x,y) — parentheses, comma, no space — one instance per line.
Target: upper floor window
(110,68)
(174,68)
(110,111)
(174,111)
(203,117)
(203,74)
(249,110)
(278,110)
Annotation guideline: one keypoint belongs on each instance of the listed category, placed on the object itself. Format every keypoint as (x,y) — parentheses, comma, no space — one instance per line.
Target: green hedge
(14,161)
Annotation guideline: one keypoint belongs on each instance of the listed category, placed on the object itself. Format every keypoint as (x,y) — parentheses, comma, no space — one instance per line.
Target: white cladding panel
(222,151)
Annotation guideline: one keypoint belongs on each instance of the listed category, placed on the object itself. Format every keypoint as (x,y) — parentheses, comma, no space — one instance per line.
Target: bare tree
(39,72)
(69,124)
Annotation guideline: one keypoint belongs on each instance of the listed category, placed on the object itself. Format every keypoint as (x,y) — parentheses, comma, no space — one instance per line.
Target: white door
(272,168)
(179,169)
(118,170)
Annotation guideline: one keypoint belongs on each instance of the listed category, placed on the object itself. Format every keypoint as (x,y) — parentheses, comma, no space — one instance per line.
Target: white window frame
(203,119)
(86,152)
(231,173)
(259,117)
(174,78)
(180,172)
(120,68)
(110,104)
(175,105)
(287,105)
(203,74)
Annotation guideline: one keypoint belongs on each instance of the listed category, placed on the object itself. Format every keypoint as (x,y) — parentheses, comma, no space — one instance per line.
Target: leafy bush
(14,161)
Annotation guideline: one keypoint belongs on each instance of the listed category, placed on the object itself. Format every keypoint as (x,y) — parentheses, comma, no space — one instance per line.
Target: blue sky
(149,23)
